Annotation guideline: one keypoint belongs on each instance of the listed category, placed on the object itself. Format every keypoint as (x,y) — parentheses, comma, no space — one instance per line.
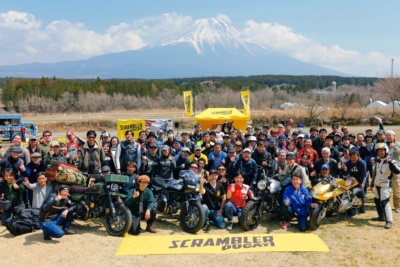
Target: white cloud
(25,40)
(282,38)
(18,20)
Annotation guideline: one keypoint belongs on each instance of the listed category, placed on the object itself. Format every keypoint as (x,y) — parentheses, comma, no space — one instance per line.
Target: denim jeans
(52,228)
(288,214)
(231,210)
(212,215)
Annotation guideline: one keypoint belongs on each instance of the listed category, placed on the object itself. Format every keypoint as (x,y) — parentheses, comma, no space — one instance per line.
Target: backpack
(20,227)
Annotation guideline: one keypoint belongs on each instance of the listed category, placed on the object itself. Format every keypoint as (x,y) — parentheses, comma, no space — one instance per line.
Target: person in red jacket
(308,149)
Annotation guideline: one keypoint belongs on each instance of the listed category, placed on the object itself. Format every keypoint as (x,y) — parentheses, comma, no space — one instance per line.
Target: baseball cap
(325,166)
(16,149)
(185,149)
(380,131)
(55,143)
(69,133)
(238,143)
(227,136)
(153,144)
(105,168)
(271,139)
(151,134)
(247,150)
(36,155)
(231,150)
(300,136)
(63,187)
(257,128)
(160,131)
(165,147)
(197,148)
(252,138)
(300,125)
(290,156)
(249,126)
(213,171)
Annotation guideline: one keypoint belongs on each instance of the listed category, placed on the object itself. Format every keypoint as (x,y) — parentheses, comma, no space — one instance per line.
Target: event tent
(211,117)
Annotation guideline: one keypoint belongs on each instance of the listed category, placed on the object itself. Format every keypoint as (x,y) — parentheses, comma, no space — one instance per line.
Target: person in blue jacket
(296,202)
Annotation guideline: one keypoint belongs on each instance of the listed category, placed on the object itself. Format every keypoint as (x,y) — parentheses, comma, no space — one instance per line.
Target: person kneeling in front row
(237,194)
(54,212)
(142,206)
(296,202)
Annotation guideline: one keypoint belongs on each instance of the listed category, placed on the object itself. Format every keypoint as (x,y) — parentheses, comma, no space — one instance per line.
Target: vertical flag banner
(188,102)
(245,96)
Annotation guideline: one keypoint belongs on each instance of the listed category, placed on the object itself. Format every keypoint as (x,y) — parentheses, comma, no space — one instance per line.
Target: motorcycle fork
(112,207)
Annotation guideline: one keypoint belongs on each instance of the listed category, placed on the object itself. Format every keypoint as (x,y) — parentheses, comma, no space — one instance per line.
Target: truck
(11,125)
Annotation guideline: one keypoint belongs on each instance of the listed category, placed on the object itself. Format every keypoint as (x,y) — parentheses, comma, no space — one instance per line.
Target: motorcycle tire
(122,222)
(359,193)
(193,218)
(249,219)
(317,215)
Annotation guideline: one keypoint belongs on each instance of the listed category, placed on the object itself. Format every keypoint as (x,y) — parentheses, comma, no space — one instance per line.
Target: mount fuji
(211,47)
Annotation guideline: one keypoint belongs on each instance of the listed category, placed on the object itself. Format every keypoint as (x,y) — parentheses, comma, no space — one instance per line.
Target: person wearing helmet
(383,169)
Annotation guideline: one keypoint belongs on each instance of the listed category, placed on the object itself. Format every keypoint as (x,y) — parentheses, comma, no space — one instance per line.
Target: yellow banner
(135,125)
(188,103)
(245,96)
(219,244)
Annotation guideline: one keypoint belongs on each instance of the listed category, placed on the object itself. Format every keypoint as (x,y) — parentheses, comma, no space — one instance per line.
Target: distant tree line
(62,95)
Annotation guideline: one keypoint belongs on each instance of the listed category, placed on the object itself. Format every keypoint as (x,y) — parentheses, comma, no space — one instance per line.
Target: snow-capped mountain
(211,47)
(209,32)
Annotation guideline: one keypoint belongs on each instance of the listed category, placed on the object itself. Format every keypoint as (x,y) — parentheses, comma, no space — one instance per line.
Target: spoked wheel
(120,224)
(193,217)
(317,215)
(358,196)
(251,217)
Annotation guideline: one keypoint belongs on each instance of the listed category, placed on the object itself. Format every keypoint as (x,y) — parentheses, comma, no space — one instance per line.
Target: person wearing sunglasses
(45,143)
(141,203)
(91,155)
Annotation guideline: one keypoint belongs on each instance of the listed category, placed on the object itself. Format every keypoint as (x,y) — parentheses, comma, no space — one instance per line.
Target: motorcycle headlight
(262,185)
(114,187)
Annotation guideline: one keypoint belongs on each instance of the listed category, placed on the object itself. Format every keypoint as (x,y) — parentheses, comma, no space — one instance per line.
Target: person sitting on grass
(296,202)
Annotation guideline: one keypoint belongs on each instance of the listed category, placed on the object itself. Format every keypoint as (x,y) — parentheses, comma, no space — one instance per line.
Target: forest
(62,95)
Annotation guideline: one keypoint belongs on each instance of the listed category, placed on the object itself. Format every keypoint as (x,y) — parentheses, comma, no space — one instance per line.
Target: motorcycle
(335,196)
(181,194)
(101,200)
(268,199)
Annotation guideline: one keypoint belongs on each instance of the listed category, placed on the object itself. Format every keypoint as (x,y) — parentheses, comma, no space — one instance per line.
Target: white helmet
(381,146)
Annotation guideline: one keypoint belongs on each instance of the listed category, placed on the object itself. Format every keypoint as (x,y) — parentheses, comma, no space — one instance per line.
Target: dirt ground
(366,243)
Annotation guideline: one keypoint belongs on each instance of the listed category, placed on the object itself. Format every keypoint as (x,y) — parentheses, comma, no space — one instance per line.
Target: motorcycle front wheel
(250,218)
(120,224)
(358,195)
(193,217)
(317,215)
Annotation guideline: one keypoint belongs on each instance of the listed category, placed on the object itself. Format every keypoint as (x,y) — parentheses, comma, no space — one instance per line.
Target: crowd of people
(228,164)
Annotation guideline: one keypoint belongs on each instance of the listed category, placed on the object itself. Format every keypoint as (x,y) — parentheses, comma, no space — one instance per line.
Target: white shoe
(397,210)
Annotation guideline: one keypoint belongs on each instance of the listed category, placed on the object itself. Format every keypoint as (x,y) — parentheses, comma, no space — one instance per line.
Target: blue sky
(357,37)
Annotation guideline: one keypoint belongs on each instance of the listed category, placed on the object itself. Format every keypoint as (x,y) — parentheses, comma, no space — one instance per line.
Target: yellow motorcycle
(335,196)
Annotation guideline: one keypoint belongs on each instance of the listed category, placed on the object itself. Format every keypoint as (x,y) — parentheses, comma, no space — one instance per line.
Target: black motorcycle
(268,199)
(101,199)
(181,194)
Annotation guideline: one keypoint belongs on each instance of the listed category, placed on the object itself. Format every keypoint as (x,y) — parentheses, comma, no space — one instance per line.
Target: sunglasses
(221,169)
(91,137)
(47,135)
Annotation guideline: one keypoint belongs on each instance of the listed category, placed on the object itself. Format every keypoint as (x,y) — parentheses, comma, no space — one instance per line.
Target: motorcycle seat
(92,189)
(77,189)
